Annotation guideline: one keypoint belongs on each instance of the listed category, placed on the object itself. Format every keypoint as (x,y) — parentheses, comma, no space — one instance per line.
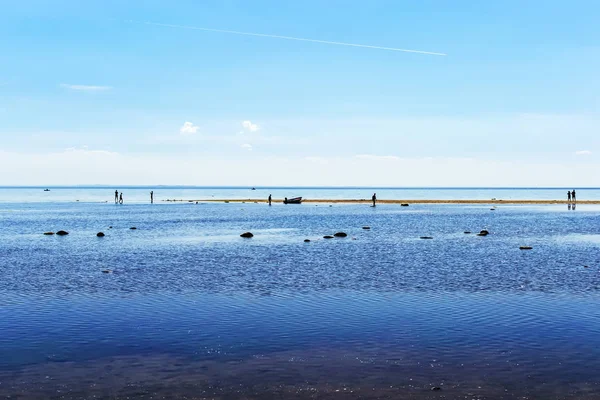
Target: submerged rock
(48,233)
(247,235)
(62,233)
(327,237)
(340,234)
(100,234)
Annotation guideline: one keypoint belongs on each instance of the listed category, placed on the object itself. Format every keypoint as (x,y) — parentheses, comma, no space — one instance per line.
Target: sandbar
(395,201)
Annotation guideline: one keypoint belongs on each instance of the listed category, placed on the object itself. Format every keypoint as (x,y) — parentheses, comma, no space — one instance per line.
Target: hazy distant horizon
(108,186)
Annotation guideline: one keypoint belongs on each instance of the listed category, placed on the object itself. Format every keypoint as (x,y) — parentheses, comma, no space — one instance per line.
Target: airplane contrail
(196,28)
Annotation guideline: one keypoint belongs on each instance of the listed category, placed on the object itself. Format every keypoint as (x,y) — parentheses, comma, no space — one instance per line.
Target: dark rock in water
(327,237)
(247,235)
(106,271)
(492,209)
(366,227)
(133,227)
(436,388)
(110,227)
(426,237)
(467,233)
(100,234)
(525,247)
(404,205)
(306,240)
(62,233)
(483,233)
(340,234)
(48,233)
(585,266)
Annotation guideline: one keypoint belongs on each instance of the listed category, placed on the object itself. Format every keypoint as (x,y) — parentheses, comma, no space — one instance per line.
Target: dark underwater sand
(321,374)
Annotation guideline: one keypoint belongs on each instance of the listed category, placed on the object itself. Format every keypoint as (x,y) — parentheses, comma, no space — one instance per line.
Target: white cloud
(84,150)
(583,153)
(188,128)
(248,125)
(317,160)
(375,157)
(85,88)
(247,146)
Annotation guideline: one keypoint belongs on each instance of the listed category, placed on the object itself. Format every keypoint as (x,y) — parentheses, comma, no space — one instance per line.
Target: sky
(154,92)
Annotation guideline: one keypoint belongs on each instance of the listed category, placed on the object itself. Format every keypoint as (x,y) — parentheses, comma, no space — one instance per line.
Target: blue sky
(88,97)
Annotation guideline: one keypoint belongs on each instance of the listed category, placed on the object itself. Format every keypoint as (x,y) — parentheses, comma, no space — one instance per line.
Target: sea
(183,307)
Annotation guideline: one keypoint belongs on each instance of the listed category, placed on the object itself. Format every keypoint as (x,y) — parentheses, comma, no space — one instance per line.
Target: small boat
(295,200)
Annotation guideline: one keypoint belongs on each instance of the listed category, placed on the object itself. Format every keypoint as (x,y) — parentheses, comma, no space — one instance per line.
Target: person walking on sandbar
(269,199)
(568,196)
(152,197)
(573,196)
(121,198)
(374,198)
(116,196)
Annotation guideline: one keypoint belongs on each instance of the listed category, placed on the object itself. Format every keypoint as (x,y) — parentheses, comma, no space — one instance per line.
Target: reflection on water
(190,309)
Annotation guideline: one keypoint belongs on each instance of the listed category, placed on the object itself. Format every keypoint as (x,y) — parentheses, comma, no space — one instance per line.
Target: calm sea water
(192,310)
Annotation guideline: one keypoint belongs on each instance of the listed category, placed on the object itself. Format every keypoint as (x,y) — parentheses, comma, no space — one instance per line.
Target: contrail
(196,28)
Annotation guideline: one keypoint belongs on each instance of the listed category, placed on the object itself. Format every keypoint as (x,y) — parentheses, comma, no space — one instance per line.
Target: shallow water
(136,194)
(191,310)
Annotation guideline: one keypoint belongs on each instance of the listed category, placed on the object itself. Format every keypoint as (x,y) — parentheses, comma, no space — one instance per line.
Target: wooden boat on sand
(294,200)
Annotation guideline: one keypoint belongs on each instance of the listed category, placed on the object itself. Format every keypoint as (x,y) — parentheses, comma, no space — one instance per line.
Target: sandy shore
(392,201)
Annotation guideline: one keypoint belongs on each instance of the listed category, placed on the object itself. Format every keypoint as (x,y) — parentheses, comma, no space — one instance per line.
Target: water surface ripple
(190,309)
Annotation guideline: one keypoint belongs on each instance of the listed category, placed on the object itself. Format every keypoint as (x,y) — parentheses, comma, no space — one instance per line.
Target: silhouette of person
(121,198)
(568,196)
(573,195)
(285,201)
(374,198)
(269,199)
(116,196)
(151,197)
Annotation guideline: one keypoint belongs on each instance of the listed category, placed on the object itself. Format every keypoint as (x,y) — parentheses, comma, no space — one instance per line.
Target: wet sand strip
(390,201)
(393,201)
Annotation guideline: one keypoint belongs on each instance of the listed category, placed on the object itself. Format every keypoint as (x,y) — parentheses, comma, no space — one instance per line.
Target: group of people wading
(119,197)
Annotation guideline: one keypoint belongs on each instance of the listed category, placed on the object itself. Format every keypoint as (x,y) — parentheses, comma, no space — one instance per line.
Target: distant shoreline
(392,201)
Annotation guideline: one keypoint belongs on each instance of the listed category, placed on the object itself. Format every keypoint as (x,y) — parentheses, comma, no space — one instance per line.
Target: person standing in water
(269,199)
(374,198)
(573,196)
(568,196)
(116,196)
(121,198)
(152,197)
